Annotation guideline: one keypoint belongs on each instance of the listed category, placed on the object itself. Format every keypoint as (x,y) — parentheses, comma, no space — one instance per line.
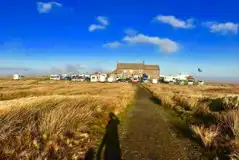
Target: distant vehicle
(118,78)
(145,81)
(169,79)
(190,82)
(128,80)
(154,81)
(94,78)
(87,76)
(182,77)
(77,78)
(103,77)
(87,79)
(200,82)
(181,82)
(55,77)
(111,79)
(135,80)
(18,76)
(66,77)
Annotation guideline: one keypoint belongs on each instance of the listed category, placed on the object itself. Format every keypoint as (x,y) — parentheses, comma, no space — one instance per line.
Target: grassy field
(212,112)
(56,119)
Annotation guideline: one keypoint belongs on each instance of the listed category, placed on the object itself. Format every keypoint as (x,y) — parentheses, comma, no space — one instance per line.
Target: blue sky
(87,35)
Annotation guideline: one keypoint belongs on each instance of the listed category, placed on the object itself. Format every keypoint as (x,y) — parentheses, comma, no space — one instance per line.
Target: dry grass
(206,106)
(207,135)
(56,120)
(234,155)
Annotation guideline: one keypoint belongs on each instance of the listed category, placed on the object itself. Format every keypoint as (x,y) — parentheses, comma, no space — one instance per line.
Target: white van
(55,77)
(94,78)
(103,77)
(18,76)
(154,81)
(111,79)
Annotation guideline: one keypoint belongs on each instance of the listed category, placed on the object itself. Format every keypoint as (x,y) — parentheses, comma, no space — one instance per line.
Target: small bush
(207,135)
(231,121)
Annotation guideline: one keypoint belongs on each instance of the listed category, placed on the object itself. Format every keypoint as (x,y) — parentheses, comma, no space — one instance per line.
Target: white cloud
(222,28)
(115,44)
(166,45)
(175,22)
(103,20)
(95,27)
(46,7)
(130,32)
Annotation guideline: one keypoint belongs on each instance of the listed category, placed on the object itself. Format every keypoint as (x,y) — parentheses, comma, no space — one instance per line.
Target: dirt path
(149,133)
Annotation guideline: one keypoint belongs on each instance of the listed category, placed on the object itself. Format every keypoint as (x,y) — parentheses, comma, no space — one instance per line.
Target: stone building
(137,69)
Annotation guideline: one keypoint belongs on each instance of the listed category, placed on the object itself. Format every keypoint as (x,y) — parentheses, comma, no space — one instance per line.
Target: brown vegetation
(211,110)
(56,119)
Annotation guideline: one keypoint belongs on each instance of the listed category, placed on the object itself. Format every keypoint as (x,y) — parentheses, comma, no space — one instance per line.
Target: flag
(199,70)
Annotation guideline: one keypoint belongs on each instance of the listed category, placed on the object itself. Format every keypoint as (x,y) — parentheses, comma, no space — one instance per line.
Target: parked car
(135,80)
(77,78)
(87,79)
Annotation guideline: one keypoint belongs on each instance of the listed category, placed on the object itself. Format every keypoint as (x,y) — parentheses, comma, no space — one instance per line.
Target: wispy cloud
(115,44)
(103,23)
(46,7)
(95,27)
(166,45)
(103,20)
(130,32)
(222,28)
(175,22)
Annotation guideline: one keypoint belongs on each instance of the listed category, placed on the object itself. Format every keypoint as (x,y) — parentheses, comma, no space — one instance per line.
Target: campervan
(169,79)
(111,79)
(94,78)
(18,76)
(182,77)
(103,77)
(55,77)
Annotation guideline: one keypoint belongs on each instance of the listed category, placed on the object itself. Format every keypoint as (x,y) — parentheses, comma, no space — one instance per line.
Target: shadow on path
(110,141)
